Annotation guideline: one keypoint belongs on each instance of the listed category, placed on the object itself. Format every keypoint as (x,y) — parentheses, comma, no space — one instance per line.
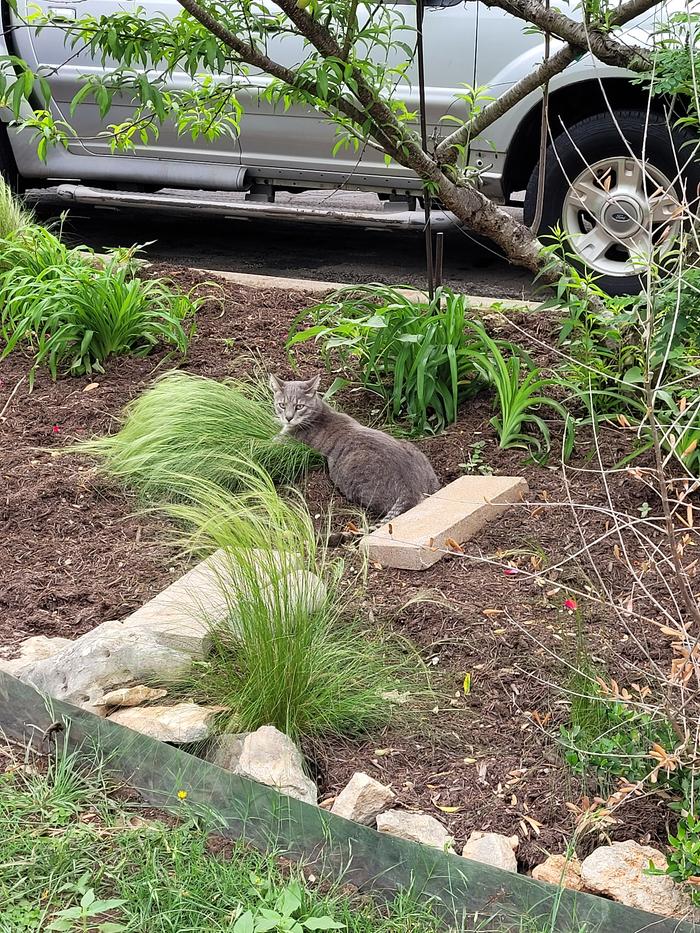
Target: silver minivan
(596,186)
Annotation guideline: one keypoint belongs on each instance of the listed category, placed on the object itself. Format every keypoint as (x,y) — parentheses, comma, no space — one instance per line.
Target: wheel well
(567,105)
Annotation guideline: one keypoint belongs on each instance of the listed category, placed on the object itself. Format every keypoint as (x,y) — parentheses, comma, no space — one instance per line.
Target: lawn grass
(66,841)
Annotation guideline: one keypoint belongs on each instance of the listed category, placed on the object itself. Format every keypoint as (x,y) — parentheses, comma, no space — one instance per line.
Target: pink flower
(56,429)
(570,604)
(510,571)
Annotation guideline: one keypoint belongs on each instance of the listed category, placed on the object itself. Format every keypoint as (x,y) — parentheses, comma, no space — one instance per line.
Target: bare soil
(75,552)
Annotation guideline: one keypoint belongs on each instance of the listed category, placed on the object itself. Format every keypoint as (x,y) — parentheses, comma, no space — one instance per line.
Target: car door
(299,141)
(64,67)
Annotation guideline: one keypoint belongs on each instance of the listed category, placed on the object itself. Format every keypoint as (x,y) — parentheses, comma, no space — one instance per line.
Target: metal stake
(439,249)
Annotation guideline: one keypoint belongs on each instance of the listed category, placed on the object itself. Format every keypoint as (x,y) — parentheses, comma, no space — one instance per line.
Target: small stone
(396,696)
(618,871)
(38,647)
(267,756)
(362,799)
(492,849)
(132,696)
(185,722)
(559,870)
(415,827)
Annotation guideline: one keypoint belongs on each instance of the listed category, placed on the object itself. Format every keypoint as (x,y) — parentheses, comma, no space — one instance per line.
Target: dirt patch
(75,552)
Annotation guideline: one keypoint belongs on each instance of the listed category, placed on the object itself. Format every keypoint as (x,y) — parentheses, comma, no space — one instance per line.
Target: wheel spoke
(589,195)
(664,206)
(592,245)
(629,177)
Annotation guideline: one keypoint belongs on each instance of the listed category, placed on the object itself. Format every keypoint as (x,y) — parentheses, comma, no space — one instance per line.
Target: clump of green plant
(190,426)
(684,855)
(610,736)
(291,652)
(72,313)
(519,394)
(475,462)
(281,910)
(13,215)
(414,355)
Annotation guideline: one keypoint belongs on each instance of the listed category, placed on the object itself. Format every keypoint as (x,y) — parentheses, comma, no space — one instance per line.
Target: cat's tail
(398,508)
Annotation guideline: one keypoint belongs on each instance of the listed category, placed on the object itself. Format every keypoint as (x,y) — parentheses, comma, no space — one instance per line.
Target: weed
(475,462)
(73,314)
(684,855)
(612,737)
(186,426)
(413,355)
(85,916)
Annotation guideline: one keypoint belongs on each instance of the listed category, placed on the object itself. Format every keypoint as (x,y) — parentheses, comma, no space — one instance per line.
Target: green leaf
(244,924)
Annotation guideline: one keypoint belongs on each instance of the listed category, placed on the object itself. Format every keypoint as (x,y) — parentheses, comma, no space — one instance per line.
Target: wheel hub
(623,216)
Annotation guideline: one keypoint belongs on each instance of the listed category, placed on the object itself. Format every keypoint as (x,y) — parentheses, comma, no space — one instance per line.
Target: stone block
(420,537)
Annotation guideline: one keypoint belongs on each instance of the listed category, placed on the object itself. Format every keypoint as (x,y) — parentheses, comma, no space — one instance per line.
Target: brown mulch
(75,552)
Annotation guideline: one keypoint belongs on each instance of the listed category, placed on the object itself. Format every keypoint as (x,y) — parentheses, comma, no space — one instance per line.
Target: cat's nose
(289,417)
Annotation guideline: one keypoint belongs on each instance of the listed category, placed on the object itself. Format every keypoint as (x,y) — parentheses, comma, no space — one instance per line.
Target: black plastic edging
(465,892)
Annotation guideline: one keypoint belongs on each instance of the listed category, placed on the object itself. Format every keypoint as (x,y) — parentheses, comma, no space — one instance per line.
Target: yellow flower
(182,794)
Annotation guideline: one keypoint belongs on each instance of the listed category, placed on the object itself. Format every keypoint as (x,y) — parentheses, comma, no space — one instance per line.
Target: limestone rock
(267,756)
(38,647)
(416,827)
(362,799)
(225,750)
(34,648)
(492,849)
(619,871)
(182,615)
(110,656)
(132,696)
(558,870)
(185,722)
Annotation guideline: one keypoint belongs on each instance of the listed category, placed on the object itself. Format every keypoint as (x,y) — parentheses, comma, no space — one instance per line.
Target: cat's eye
(300,405)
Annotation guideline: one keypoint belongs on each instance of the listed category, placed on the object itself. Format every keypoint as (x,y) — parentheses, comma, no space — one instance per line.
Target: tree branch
(592,38)
(447,151)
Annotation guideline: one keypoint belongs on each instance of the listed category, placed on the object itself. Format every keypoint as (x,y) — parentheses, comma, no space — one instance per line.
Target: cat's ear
(275,383)
(311,385)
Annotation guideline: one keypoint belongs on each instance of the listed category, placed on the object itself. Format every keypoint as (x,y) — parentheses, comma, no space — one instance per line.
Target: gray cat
(384,475)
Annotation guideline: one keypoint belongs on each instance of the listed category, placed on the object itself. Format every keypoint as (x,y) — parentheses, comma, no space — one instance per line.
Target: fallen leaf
(447,809)
(467,683)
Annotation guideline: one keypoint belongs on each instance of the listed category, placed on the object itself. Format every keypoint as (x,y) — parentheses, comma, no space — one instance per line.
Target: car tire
(8,166)
(596,192)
